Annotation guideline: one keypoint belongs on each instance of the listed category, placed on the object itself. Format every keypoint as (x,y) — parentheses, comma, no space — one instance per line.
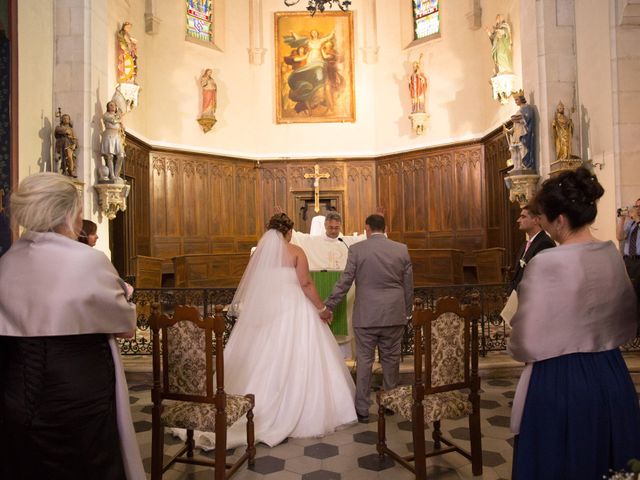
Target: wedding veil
(262,287)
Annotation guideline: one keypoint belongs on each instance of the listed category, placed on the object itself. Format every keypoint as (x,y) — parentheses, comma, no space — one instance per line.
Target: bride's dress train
(291,362)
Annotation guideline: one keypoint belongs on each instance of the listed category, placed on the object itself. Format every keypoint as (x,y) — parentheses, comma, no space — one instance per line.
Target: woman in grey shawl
(575,412)
(64,405)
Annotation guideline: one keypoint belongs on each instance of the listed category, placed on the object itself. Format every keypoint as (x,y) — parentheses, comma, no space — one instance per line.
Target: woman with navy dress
(575,412)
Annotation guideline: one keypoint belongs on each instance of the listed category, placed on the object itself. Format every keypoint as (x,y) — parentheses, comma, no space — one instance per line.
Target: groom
(383,274)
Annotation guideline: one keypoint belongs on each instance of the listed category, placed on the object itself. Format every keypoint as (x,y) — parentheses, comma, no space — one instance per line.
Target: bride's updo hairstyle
(572,194)
(280,222)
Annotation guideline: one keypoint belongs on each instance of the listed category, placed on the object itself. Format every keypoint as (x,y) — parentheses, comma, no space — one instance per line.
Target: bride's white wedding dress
(283,353)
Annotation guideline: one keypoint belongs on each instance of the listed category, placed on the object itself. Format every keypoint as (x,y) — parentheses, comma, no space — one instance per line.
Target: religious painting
(314,67)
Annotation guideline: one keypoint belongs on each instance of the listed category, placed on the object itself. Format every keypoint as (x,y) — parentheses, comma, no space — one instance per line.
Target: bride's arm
(304,277)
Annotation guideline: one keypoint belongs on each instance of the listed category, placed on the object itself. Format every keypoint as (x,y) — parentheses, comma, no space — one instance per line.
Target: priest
(327,251)
(327,255)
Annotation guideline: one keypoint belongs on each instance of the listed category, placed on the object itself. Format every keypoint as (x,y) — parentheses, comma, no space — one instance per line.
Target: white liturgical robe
(325,253)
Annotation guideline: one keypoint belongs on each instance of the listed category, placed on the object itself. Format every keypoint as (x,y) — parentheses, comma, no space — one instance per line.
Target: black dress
(57,409)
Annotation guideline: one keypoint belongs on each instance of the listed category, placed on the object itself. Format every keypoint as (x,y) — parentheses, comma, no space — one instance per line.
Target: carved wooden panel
(360,188)
(447,197)
(195,199)
(158,197)
(390,190)
(468,189)
(440,192)
(245,200)
(221,198)
(201,204)
(274,188)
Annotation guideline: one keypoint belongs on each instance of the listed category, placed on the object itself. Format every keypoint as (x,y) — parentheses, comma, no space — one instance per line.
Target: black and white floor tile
(350,454)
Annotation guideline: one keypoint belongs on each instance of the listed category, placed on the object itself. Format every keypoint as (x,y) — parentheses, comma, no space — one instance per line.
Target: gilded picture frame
(314,67)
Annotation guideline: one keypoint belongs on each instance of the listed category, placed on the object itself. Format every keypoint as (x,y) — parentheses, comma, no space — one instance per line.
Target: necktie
(526,247)
(633,241)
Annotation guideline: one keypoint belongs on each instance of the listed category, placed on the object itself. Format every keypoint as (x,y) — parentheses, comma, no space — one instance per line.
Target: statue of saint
(209,94)
(418,88)
(528,139)
(66,145)
(514,136)
(562,133)
(501,46)
(127,55)
(112,146)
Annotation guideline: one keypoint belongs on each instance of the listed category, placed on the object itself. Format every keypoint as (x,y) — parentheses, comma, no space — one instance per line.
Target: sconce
(600,165)
(112,197)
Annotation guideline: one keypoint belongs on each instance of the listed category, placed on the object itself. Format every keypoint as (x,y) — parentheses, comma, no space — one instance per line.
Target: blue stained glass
(199,20)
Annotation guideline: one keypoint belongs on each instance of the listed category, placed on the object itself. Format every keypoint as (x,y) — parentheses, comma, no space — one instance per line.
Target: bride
(281,351)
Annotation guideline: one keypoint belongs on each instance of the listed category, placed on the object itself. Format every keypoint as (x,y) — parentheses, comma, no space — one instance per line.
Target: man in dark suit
(383,274)
(529,223)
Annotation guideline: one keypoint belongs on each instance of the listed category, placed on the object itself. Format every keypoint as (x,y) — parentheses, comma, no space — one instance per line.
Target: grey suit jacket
(383,274)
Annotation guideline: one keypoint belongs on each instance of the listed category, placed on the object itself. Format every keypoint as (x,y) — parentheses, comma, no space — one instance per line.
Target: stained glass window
(426,18)
(200,20)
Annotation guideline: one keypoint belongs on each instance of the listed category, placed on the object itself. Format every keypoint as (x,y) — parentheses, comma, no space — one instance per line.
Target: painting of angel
(314,67)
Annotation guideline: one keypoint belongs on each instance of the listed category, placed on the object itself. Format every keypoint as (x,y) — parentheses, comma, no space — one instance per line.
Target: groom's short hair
(375,222)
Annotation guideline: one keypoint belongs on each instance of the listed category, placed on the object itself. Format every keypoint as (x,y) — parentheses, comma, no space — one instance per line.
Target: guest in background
(64,404)
(575,412)
(89,233)
(538,240)
(627,232)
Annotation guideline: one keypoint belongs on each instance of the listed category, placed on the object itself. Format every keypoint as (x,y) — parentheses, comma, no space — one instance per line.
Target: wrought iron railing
(490,297)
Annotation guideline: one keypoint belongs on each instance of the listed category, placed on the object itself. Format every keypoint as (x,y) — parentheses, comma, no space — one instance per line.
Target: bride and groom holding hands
(282,350)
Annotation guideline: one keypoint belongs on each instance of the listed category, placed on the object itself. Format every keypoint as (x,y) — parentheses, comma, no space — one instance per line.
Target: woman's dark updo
(280,222)
(572,194)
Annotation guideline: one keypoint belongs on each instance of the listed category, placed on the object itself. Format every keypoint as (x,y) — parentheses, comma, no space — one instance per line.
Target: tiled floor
(350,453)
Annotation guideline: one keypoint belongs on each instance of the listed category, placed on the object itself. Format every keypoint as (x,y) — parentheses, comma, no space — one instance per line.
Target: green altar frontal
(324,283)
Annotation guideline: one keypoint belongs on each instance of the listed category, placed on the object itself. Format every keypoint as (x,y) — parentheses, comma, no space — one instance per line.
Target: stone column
(549,74)
(256,52)
(80,86)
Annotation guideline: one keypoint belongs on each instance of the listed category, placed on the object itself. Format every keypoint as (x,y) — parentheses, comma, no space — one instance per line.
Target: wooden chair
(184,378)
(446,341)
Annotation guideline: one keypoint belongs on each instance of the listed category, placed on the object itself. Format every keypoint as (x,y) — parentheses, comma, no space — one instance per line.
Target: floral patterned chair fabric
(187,359)
(202,416)
(188,394)
(447,349)
(437,406)
(445,385)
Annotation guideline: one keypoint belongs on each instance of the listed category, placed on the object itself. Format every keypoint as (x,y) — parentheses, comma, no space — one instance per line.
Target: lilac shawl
(572,298)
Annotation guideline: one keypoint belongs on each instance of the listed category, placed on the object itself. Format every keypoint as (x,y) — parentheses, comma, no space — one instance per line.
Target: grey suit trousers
(388,340)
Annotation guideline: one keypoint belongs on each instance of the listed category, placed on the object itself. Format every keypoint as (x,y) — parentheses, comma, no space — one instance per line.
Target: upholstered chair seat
(437,406)
(202,416)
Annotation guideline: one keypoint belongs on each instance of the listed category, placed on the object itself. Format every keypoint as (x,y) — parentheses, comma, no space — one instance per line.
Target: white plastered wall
(458,66)
(35,93)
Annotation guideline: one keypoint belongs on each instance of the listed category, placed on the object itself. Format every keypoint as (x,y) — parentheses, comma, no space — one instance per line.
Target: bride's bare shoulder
(294,250)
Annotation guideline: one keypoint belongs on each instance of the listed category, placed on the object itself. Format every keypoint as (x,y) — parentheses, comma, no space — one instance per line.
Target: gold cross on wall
(316,175)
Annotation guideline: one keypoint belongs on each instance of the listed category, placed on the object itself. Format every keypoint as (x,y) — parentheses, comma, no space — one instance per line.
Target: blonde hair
(44,201)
